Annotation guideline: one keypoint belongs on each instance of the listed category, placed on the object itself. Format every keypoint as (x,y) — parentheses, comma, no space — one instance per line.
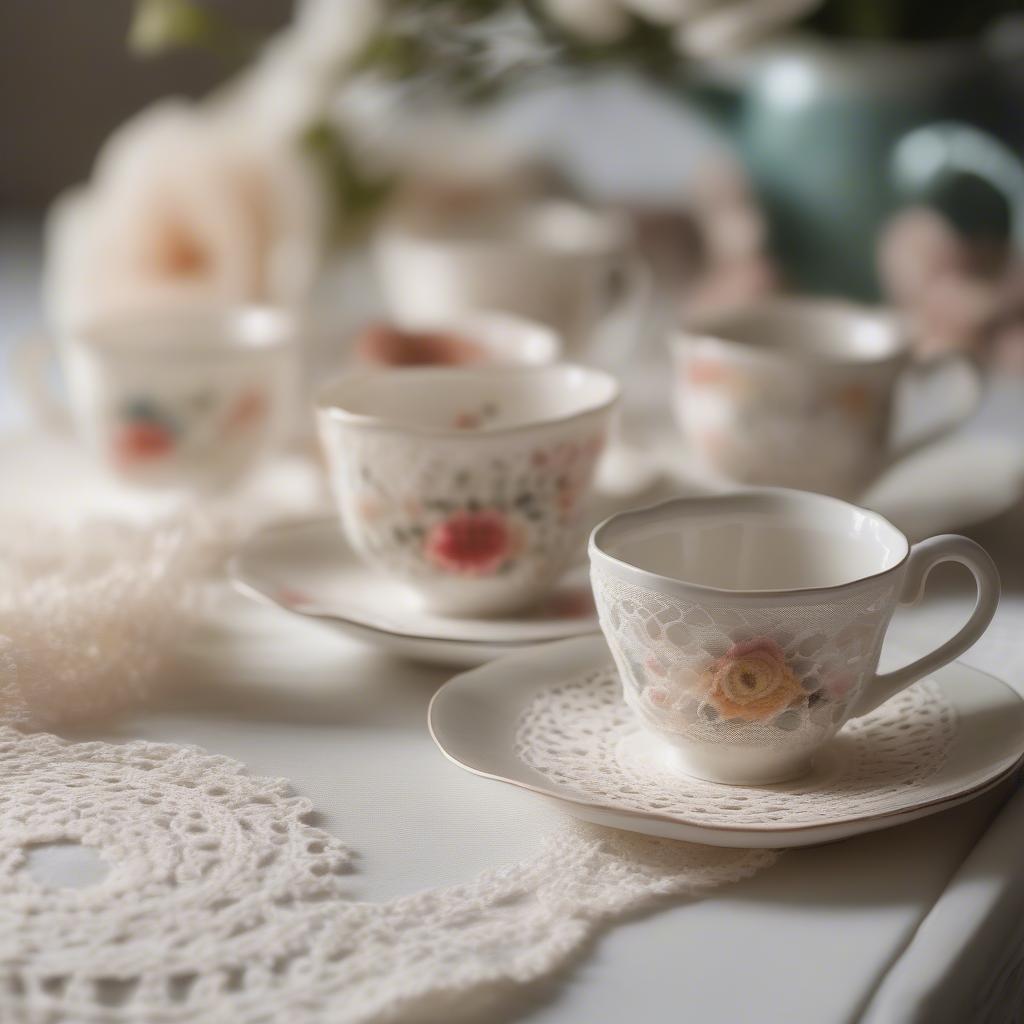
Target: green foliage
(161,26)
(355,196)
(472,51)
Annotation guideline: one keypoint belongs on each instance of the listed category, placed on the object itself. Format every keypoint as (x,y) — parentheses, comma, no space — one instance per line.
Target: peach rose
(186,208)
(752,681)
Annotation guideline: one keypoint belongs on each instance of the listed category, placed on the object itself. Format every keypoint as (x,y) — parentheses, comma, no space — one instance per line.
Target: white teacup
(747,628)
(180,398)
(801,393)
(470,485)
(557,262)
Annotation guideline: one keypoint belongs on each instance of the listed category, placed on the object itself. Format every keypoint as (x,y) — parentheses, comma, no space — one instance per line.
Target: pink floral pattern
(471,543)
(451,512)
(142,441)
(147,430)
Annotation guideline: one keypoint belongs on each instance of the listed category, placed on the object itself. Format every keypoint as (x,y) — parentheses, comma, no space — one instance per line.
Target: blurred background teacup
(178,398)
(747,628)
(473,339)
(469,485)
(808,394)
(555,261)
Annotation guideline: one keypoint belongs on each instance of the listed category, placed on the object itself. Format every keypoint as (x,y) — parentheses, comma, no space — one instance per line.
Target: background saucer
(947,486)
(309,568)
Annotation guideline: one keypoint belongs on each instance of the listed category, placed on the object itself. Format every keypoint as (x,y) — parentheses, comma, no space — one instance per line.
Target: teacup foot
(737,766)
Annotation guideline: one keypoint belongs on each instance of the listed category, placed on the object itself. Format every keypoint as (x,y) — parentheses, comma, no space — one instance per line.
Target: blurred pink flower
(915,247)
(184,207)
(296,77)
(1008,349)
(954,312)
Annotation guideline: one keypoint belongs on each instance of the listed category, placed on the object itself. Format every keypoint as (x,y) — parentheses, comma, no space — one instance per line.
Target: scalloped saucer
(310,570)
(863,782)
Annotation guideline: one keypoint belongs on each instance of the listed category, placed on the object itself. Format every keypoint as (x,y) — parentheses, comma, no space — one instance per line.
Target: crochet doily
(220,904)
(581,736)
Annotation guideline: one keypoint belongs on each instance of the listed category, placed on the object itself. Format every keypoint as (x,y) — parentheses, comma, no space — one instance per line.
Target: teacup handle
(923,558)
(942,366)
(31,362)
(933,154)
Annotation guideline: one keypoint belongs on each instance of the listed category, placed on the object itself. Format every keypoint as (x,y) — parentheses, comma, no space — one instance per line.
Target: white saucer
(965,730)
(947,486)
(309,569)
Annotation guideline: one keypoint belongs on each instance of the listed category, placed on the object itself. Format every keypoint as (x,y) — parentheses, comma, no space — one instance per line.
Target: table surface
(855,930)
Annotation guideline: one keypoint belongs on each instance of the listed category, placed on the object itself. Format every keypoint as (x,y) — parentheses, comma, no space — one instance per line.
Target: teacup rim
(632,573)
(404,227)
(330,410)
(282,328)
(708,327)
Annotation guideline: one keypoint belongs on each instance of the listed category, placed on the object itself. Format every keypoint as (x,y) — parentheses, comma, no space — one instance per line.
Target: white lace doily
(581,735)
(220,904)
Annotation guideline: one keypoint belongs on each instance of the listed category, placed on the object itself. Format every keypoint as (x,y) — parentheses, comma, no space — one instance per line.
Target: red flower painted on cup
(142,441)
(471,543)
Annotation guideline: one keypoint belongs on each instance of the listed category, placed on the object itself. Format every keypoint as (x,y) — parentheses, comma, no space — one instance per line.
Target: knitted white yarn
(88,615)
(97,584)
(220,904)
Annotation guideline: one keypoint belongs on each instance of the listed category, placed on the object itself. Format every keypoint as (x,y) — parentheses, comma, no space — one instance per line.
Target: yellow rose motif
(752,681)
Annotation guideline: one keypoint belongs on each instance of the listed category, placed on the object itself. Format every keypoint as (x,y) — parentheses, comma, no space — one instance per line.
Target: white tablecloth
(915,924)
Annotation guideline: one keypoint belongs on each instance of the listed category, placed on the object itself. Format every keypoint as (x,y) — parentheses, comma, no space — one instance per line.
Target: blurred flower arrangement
(232,198)
(237,197)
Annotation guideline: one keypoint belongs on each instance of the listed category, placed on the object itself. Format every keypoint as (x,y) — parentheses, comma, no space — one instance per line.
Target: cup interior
(500,337)
(771,540)
(807,329)
(196,332)
(467,401)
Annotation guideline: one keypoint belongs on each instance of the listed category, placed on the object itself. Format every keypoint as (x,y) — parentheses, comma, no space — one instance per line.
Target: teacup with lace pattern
(747,628)
(468,484)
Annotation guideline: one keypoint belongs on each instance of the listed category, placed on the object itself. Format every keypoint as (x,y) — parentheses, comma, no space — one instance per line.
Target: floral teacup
(468,484)
(747,628)
(183,398)
(801,393)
